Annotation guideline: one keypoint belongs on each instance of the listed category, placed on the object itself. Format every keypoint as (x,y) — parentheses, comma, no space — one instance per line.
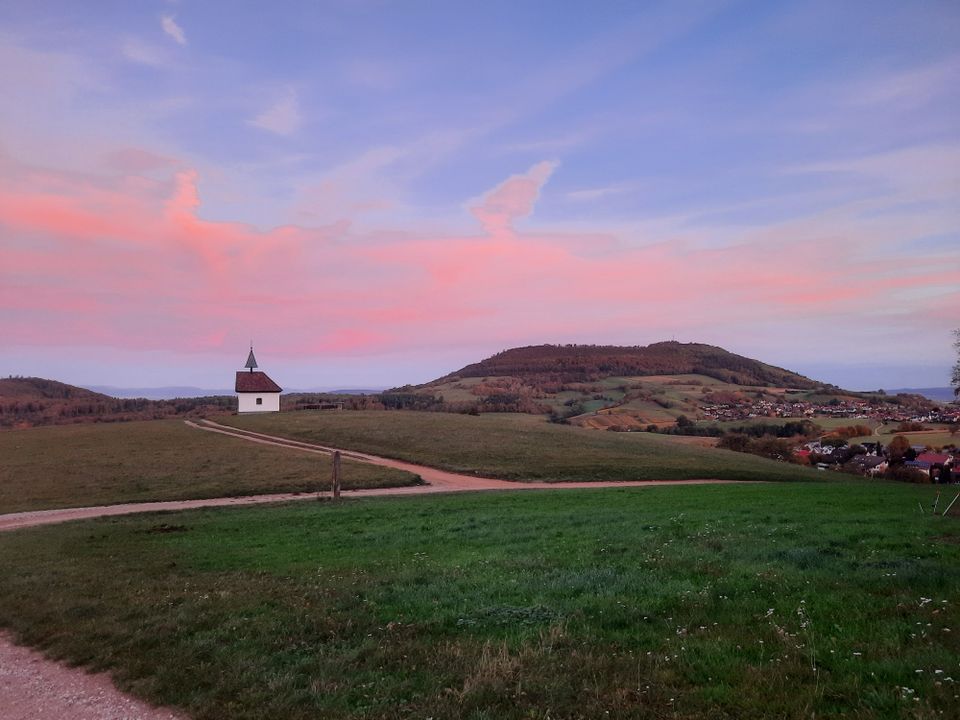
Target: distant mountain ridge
(586,363)
(173,392)
(941,394)
(168,392)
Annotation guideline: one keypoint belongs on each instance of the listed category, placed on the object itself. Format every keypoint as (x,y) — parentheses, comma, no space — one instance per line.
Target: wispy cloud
(374,75)
(911,174)
(283,117)
(597,193)
(138,51)
(909,88)
(171,28)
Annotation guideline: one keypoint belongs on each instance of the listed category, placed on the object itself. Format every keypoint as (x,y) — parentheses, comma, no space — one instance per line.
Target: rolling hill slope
(31,401)
(632,388)
(35,388)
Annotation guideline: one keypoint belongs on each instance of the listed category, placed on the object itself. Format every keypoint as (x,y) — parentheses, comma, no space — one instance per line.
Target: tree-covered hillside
(585,363)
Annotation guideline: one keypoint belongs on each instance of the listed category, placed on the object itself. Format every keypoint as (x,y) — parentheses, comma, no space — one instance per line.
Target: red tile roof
(933,458)
(255,382)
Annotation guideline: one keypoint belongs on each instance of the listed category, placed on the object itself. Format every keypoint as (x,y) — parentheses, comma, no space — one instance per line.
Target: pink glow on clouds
(129,262)
(512,199)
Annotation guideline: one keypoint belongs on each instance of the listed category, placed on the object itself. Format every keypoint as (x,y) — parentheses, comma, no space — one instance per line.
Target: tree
(955,380)
(898,449)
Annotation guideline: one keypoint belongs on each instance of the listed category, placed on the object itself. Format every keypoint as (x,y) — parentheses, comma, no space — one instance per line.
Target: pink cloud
(129,262)
(512,199)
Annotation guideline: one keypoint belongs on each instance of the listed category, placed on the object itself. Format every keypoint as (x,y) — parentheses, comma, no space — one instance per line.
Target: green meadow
(517,447)
(828,600)
(101,464)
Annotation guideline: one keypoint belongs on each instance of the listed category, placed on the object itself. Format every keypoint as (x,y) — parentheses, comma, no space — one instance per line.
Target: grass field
(936,438)
(79,465)
(747,601)
(833,423)
(518,447)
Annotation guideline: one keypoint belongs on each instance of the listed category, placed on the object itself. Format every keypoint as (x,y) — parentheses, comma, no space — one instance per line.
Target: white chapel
(256,392)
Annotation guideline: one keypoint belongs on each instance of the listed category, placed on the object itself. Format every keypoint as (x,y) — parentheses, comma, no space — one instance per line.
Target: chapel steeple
(251,360)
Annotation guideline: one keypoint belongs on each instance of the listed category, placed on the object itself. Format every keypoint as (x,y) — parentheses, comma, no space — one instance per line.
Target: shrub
(907,474)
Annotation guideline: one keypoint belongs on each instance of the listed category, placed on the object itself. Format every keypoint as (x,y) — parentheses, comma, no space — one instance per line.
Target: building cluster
(875,459)
(848,409)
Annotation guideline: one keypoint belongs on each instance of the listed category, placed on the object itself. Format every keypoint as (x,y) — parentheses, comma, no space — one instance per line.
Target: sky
(378,193)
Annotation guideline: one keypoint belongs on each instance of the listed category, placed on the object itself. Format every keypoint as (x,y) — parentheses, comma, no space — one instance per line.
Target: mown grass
(82,465)
(746,601)
(517,447)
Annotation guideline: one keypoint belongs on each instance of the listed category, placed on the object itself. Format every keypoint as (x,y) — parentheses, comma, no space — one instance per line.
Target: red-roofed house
(933,458)
(256,392)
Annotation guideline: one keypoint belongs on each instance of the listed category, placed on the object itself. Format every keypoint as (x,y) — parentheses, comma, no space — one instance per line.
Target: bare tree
(955,380)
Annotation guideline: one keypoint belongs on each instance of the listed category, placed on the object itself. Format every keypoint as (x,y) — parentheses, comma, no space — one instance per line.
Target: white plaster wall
(248,402)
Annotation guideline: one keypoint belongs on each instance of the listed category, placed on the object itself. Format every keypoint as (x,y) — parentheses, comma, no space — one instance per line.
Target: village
(899,408)
(921,445)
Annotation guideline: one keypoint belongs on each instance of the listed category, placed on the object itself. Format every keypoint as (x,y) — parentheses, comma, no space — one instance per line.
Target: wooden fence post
(950,505)
(336,475)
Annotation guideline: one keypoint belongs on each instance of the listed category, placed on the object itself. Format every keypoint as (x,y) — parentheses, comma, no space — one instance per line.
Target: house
(933,458)
(870,464)
(873,448)
(256,392)
(938,465)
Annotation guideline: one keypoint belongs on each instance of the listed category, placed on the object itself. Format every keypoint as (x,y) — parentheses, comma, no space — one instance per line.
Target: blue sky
(780,179)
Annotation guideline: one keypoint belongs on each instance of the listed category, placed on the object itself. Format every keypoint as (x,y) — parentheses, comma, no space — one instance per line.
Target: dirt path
(35,688)
(437,481)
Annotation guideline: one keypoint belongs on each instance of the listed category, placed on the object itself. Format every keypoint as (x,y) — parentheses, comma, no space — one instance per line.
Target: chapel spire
(251,360)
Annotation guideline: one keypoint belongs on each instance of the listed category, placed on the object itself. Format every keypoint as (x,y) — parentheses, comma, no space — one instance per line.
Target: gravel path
(33,687)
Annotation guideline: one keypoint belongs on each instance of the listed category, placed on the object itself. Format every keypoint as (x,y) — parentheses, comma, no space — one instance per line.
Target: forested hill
(34,388)
(583,363)
(31,401)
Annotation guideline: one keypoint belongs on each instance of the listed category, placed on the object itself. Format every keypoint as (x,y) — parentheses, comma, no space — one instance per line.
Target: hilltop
(584,363)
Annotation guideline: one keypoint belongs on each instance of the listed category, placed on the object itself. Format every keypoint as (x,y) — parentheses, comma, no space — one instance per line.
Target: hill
(585,363)
(35,388)
(652,387)
(32,401)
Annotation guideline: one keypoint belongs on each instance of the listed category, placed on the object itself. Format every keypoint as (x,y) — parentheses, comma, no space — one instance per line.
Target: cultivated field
(741,601)
(81,465)
(517,447)
(936,437)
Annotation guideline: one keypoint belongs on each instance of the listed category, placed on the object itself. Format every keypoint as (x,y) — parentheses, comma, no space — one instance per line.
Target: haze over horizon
(379,193)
